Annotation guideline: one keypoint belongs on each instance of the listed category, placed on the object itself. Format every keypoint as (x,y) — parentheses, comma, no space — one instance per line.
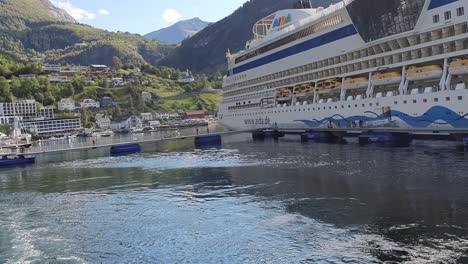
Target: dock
(107,143)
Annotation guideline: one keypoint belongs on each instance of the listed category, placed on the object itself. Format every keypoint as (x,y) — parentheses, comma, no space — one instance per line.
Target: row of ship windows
(460,98)
(291,38)
(387,60)
(370,51)
(448,15)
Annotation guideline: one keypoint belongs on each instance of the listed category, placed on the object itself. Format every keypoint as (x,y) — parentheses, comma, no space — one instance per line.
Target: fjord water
(247,202)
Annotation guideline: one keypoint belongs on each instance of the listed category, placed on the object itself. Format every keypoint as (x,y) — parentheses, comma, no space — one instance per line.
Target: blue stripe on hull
(437,115)
(439,3)
(324,39)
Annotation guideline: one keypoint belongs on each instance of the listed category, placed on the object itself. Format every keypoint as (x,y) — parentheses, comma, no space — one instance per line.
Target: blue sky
(144,16)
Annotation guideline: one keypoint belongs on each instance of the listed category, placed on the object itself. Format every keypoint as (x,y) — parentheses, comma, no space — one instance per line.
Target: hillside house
(95,68)
(103,121)
(126,122)
(106,102)
(89,103)
(66,104)
(187,77)
(194,115)
(27,76)
(117,82)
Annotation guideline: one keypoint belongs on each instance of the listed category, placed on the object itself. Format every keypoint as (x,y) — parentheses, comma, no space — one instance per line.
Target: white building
(89,103)
(126,122)
(95,68)
(59,79)
(163,116)
(80,45)
(187,77)
(147,116)
(53,126)
(26,109)
(46,113)
(27,76)
(103,121)
(117,82)
(52,68)
(66,104)
(79,68)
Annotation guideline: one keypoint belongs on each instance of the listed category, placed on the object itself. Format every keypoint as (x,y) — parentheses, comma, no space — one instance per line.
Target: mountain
(35,28)
(23,14)
(181,30)
(205,51)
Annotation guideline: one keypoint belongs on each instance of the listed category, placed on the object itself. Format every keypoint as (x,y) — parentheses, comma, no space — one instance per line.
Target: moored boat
(14,160)
(125,149)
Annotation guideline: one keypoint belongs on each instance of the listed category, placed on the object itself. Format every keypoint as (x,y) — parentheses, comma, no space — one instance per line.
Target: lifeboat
(424,73)
(328,84)
(458,67)
(283,94)
(302,90)
(386,78)
(356,83)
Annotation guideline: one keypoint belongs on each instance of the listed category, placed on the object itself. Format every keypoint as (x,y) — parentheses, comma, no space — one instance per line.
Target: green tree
(5,92)
(67,90)
(15,86)
(116,63)
(78,84)
(85,118)
(28,88)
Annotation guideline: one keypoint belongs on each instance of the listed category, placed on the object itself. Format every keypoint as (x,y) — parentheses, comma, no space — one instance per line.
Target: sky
(145,16)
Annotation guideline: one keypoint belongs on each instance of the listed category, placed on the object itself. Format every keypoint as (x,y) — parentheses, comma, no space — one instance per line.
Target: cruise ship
(393,64)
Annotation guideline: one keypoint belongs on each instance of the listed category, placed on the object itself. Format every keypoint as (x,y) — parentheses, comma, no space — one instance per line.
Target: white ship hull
(334,44)
(420,112)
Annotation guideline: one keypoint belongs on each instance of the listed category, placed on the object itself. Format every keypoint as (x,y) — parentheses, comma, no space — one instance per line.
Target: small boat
(328,84)
(386,78)
(125,149)
(15,160)
(107,133)
(283,95)
(424,73)
(458,67)
(356,83)
(303,89)
(208,141)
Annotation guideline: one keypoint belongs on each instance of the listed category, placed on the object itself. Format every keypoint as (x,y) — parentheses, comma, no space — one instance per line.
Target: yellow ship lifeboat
(302,90)
(328,84)
(283,94)
(356,83)
(424,73)
(386,78)
(458,67)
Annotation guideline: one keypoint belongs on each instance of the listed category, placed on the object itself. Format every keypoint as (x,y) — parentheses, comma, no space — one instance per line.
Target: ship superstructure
(392,63)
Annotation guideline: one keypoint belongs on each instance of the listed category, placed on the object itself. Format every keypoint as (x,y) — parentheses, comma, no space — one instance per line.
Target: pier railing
(77,143)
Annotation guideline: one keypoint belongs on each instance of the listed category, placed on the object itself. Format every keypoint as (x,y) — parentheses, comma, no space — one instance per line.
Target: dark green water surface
(248,202)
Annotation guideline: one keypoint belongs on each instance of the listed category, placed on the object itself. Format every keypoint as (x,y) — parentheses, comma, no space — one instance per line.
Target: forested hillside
(37,29)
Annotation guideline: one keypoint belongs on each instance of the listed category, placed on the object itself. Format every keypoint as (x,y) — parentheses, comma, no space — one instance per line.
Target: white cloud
(76,12)
(171,15)
(104,12)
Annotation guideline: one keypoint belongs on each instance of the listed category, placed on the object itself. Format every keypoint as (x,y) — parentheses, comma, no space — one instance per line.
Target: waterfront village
(95,98)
